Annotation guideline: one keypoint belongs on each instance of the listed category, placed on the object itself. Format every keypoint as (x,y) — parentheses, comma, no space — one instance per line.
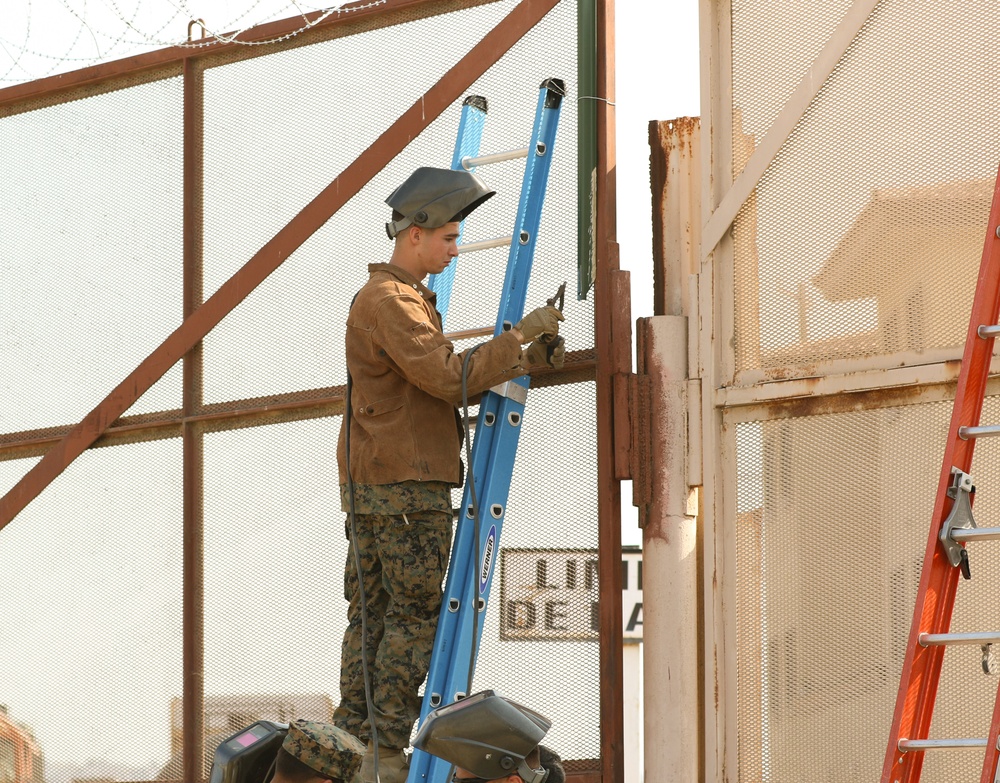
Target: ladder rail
(939,579)
(467,143)
(493,453)
(529,213)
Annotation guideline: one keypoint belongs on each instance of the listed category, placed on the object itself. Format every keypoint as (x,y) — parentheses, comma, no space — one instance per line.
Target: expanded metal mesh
(92,264)
(863,238)
(91,656)
(266,162)
(857,250)
(832,524)
(91,611)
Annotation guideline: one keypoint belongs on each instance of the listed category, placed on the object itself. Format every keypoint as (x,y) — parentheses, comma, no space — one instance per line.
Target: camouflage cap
(329,750)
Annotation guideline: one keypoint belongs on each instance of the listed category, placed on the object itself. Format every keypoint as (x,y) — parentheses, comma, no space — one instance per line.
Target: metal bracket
(989,659)
(960,518)
(511,390)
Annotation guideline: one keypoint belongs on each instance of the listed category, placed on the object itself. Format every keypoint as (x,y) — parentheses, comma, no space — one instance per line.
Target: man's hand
(551,353)
(540,321)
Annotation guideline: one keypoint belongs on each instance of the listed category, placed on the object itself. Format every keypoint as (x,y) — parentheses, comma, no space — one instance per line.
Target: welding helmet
(432,197)
(485,734)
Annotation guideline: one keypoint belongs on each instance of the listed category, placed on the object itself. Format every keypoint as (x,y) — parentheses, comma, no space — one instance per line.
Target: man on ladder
(399,458)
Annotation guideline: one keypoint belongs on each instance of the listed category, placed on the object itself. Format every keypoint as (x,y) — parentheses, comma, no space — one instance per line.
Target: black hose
(357,555)
(369,703)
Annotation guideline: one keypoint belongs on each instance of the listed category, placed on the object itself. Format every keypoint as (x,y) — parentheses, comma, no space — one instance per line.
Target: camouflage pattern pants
(403,560)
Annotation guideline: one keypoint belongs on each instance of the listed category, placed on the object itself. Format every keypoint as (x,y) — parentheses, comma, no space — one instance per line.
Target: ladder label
(484,573)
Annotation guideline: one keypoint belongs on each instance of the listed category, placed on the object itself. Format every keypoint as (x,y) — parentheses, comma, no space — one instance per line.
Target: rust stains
(848,401)
(669,141)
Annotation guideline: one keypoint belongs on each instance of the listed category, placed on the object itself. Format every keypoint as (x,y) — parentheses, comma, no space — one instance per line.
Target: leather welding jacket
(406,383)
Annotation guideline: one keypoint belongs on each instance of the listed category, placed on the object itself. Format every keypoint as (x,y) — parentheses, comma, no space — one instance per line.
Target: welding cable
(369,703)
(357,556)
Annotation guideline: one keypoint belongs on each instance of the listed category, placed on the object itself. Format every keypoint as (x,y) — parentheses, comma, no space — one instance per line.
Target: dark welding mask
(431,197)
(248,755)
(485,734)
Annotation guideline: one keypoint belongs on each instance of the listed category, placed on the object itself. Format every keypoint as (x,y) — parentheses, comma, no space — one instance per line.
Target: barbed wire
(124,34)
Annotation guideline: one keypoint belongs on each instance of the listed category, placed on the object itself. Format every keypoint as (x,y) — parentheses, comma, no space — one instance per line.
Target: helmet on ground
(485,734)
(432,197)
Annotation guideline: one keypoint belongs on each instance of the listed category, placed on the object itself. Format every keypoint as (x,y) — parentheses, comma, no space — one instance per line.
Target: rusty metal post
(193,711)
(668,358)
(671,609)
(612,328)
(716,369)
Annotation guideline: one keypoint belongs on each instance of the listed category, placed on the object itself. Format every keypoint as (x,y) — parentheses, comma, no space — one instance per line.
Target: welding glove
(542,320)
(546,353)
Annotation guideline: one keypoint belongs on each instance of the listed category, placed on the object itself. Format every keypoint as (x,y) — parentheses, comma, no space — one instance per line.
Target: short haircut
(296,771)
(551,761)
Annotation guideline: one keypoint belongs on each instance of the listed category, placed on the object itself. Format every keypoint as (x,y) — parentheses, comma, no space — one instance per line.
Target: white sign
(631,594)
(551,595)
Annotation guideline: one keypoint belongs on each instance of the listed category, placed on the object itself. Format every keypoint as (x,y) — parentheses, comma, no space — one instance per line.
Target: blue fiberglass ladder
(500,413)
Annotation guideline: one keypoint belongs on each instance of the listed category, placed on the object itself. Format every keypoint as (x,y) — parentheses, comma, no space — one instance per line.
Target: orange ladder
(946,556)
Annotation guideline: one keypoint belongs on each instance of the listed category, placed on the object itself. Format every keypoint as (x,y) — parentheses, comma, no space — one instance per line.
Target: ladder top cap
(555,90)
(476,102)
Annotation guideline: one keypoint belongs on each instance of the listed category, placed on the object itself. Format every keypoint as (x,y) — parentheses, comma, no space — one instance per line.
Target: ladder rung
(975,533)
(978,432)
(484,244)
(938,639)
(985,331)
(940,744)
(465,334)
(484,160)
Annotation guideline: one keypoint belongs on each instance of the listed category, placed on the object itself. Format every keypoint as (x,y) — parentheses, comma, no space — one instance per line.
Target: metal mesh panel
(97,281)
(552,505)
(761,85)
(832,521)
(268,162)
(863,237)
(90,654)
(274,558)
(275,550)
(90,281)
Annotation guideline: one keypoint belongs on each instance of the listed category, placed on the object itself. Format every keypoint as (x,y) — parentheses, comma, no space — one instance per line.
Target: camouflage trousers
(403,560)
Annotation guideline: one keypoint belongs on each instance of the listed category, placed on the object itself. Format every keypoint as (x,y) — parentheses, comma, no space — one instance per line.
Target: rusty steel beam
(611,324)
(193,460)
(408,126)
(169,61)
(293,406)
(580,367)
